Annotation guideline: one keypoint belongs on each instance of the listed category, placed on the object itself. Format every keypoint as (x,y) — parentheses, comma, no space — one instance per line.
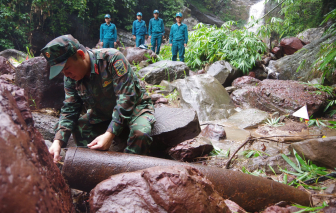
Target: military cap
(155,11)
(139,14)
(58,51)
(178,14)
(107,16)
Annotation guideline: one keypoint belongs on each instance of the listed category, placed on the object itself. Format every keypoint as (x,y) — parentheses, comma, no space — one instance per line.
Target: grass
(274,122)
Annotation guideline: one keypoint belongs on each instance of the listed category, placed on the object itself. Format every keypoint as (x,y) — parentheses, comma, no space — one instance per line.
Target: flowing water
(257,11)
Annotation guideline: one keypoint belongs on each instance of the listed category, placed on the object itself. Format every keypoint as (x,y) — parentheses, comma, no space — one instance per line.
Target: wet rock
(291,45)
(143,64)
(135,54)
(45,125)
(191,149)
(18,55)
(245,81)
(174,125)
(156,97)
(331,189)
(264,163)
(157,189)
(311,34)
(266,60)
(164,70)
(30,181)
(126,38)
(168,86)
(321,151)
(284,97)
(162,101)
(190,22)
(252,74)
(5,66)
(205,18)
(33,76)
(206,95)
(277,51)
(214,132)
(230,89)
(248,118)
(288,65)
(8,77)
(224,72)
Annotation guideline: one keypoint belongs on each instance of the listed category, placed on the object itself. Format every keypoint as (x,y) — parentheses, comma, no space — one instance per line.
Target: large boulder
(321,151)
(284,97)
(291,45)
(245,81)
(135,55)
(288,65)
(157,189)
(126,38)
(224,72)
(214,132)
(164,70)
(205,18)
(18,55)
(174,125)
(248,118)
(206,95)
(30,181)
(311,34)
(5,66)
(33,76)
(45,124)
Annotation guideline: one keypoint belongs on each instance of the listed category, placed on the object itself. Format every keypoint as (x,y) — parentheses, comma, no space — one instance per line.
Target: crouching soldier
(178,38)
(139,30)
(102,83)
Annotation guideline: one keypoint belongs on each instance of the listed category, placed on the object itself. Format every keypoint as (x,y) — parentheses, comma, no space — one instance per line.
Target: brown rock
(191,149)
(284,97)
(277,51)
(33,76)
(245,81)
(291,45)
(162,101)
(252,74)
(234,207)
(135,54)
(321,151)
(5,66)
(30,181)
(214,132)
(157,189)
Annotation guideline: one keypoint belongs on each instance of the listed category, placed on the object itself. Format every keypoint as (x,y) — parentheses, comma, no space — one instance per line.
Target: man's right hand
(150,37)
(134,37)
(101,43)
(55,150)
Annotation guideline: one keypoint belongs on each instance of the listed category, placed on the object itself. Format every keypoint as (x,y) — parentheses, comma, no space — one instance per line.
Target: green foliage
(310,209)
(274,122)
(255,173)
(316,122)
(172,96)
(209,44)
(165,53)
(219,152)
(253,153)
(305,170)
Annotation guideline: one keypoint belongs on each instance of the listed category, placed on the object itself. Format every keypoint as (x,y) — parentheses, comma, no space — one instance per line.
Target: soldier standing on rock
(139,30)
(108,33)
(156,31)
(178,38)
(102,83)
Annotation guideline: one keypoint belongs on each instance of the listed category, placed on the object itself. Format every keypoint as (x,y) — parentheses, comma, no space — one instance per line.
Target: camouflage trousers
(135,136)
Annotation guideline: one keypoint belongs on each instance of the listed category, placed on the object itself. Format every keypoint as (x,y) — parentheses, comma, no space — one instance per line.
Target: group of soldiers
(178,37)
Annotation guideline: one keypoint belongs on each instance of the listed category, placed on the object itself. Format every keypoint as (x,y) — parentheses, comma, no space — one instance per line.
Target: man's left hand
(115,43)
(185,45)
(102,142)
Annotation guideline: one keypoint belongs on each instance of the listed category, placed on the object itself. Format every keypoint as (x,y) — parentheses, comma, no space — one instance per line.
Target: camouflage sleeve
(126,92)
(69,113)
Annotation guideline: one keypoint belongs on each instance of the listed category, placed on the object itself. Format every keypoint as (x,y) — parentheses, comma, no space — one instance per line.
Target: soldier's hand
(101,43)
(134,37)
(150,37)
(102,142)
(171,44)
(115,43)
(55,150)
(185,45)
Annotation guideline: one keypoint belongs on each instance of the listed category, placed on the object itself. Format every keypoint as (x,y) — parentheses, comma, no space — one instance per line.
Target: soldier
(156,31)
(178,38)
(108,33)
(139,30)
(102,83)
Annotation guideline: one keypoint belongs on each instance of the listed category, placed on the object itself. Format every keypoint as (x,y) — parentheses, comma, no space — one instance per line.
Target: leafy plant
(219,152)
(304,170)
(165,53)
(253,153)
(255,173)
(316,122)
(209,44)
(274,122)
(310,209)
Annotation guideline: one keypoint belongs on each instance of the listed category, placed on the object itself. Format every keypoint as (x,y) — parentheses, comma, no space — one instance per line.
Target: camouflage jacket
(112,91)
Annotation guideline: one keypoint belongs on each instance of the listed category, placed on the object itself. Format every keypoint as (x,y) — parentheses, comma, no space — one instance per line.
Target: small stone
(214,132)
(331,189)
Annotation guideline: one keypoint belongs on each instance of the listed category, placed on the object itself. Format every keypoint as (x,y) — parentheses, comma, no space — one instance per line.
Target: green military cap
(58,51)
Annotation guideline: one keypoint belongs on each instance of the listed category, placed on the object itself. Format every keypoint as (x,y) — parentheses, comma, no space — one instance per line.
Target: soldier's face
(76,69)
(107,20)
(178,19)
(156,15)
(139,18)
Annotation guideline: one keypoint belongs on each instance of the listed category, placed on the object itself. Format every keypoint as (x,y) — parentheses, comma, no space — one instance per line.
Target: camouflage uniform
(112,89)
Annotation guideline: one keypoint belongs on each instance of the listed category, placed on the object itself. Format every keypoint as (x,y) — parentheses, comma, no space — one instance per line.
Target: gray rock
(224,72)
(231,89)
(164,70)
(45,124)
(214,132)
(321,151)
(126,38)
(190,22)
(190,149)
(174,125)
(287,66)
(315,81)
(331,189)
(33,76)
(311,34)
(168,86)
(264,163)
(18,55)
(205,18)
(206,95)
(186,12)
(136,55)
(248,118)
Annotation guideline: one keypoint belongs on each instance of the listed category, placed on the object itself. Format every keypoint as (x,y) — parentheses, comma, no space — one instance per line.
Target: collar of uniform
(180,25)
(108,24)
(93,61)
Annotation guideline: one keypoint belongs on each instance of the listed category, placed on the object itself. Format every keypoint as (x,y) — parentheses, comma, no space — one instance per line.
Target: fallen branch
(249,139)
(320,179)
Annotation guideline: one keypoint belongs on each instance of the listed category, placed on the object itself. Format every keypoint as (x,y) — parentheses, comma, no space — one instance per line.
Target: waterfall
(257,11)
